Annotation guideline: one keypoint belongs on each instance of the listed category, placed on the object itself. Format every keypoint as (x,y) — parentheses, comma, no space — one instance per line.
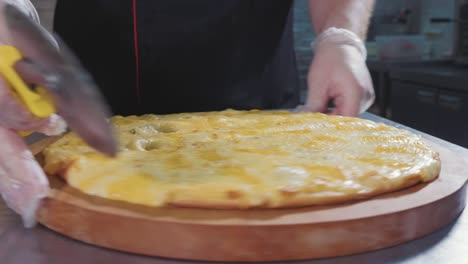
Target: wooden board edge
(207,243)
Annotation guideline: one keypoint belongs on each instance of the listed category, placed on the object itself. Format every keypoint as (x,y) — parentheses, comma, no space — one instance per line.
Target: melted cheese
(245,159)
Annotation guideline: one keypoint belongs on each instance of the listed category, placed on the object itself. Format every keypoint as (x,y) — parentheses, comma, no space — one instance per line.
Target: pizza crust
(245,159)
(289,201)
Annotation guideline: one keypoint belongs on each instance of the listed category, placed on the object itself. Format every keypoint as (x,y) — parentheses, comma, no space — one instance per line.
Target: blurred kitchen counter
(440,73)
(430,96)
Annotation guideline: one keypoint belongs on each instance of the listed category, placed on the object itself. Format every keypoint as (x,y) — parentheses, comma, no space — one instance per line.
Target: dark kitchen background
(418,50)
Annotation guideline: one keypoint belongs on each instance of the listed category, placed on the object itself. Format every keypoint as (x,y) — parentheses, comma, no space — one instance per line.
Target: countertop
(444,74)
(42,246)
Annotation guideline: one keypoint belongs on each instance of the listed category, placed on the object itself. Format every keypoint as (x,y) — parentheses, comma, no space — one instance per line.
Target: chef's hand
(338,72)
(22,181)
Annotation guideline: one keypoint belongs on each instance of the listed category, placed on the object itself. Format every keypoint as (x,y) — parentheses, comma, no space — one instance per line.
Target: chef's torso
(164,56)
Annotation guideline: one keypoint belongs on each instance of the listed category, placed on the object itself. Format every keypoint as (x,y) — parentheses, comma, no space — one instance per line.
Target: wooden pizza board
(259,235)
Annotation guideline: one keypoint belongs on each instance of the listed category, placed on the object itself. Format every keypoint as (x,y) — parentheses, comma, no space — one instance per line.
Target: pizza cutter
(60,84)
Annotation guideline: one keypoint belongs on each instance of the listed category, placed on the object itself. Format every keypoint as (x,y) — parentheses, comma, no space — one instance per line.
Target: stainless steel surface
(42,246)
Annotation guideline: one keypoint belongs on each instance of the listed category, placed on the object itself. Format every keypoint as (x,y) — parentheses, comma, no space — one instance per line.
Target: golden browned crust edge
(293,201)
(60,169)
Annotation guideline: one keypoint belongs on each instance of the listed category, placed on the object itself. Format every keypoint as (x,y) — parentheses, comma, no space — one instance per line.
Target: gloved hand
(22,181)
(338,72)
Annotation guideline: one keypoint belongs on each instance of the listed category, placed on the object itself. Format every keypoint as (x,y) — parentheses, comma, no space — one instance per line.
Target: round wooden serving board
(259,235)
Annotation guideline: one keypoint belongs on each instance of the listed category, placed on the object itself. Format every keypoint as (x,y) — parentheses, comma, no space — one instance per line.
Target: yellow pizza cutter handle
(37,101)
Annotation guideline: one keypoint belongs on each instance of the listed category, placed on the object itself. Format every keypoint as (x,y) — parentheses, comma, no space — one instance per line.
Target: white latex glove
(24,5)
(22,181)
(339,72)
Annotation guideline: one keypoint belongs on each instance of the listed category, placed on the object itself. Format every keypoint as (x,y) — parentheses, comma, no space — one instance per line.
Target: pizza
(245,159)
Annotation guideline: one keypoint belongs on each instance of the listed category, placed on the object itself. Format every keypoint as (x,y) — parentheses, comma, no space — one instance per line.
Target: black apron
(166,56)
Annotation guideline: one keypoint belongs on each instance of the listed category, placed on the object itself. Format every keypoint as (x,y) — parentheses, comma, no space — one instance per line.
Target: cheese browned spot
(234,194)
(244,159)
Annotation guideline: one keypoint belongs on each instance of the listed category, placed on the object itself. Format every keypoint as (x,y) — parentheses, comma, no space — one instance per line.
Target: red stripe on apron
(137,60)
